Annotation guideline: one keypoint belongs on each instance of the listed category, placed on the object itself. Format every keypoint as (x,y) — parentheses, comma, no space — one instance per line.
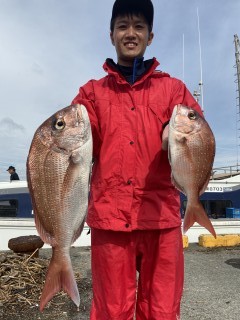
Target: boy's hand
(165,138)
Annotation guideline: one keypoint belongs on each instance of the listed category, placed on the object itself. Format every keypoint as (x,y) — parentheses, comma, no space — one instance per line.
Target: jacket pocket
(161,111)
(104,201)
(110,117)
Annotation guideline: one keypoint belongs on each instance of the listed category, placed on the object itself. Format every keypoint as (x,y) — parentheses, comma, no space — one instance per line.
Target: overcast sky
(48,48)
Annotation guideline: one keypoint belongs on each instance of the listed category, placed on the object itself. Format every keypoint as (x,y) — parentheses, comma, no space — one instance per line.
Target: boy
(133,208)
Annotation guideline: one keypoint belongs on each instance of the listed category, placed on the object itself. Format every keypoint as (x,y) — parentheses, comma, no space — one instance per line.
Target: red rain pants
(158,257)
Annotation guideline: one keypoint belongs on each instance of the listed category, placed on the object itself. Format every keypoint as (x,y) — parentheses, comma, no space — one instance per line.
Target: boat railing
(220,173)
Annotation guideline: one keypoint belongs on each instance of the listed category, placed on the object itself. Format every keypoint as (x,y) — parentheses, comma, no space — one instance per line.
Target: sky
(49,48)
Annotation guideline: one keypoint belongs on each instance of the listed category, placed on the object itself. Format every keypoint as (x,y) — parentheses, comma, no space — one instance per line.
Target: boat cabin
(15,200)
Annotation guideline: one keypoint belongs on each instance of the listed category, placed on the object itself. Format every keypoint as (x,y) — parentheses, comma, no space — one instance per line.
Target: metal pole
(237,55)
(183,59)
(200,56)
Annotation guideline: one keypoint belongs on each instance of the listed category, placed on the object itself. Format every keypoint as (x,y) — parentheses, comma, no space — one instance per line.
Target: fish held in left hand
(58,171)
(191,147)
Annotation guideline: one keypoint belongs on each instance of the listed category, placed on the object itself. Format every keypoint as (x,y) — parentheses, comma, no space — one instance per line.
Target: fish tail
(197,214)
(59,276)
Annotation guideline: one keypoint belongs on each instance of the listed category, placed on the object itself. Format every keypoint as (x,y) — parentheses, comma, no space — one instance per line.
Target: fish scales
(191,155)
(187,163)
(58,170)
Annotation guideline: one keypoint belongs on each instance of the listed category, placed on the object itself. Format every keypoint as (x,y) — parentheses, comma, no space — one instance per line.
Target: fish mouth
(180,119)
(181,110)
(79,115)
(174,113)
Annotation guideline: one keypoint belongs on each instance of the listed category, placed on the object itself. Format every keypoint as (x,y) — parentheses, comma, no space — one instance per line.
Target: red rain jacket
(131,185)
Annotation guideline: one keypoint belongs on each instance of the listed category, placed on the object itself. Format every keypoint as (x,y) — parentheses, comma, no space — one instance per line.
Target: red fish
(58,170)
(191,146)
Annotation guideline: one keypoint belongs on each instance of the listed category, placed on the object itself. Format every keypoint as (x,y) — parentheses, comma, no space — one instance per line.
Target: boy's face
(130,37)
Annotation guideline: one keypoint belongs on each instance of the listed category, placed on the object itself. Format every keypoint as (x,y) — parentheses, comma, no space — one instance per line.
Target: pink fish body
(191,146)
(58,170)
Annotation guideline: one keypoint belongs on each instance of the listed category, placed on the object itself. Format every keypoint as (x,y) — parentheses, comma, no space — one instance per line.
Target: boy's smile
(130,37)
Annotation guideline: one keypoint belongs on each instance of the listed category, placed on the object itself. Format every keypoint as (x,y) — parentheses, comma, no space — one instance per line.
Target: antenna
(199,93)
(237,55)
(200,57)
(237,81)
(183,59)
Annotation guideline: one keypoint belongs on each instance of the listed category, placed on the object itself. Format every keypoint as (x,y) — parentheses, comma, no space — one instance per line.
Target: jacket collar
(111,68)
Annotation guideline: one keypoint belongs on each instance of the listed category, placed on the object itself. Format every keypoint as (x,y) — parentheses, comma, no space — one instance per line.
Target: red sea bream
(58,171)
(191,154)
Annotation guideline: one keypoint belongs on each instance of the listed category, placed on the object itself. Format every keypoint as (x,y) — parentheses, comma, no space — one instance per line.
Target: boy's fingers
(165,138)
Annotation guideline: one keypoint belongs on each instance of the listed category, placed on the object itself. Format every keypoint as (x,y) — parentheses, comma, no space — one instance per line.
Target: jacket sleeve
(86,97)
(181,95)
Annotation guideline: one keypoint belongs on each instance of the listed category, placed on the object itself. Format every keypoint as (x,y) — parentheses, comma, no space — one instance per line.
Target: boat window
(214,208)
(8,208)
(217,208)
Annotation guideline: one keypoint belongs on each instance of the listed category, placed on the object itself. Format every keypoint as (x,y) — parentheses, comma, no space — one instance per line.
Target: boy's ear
(111,37)
(150,38)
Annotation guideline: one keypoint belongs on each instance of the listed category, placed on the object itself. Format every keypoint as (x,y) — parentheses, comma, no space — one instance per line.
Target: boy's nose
(131,32)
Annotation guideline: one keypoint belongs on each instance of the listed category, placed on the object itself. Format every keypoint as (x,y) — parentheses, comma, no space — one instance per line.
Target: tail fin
(197,214)
(59,276)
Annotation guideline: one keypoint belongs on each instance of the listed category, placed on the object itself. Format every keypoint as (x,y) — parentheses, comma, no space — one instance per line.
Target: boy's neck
(129,63)
(132,64)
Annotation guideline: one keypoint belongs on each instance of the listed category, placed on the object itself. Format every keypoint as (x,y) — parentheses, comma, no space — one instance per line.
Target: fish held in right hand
(58,172)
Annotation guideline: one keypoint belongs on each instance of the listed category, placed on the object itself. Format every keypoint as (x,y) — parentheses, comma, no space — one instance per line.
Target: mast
(237,55)
(237,81)
(183,54)
(199,93)
(200,57)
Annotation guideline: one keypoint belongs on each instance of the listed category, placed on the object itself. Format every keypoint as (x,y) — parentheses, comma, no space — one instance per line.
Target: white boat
(221,201)
(16,215)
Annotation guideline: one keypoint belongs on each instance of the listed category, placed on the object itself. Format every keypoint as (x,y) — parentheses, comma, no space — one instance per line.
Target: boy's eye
(122,26)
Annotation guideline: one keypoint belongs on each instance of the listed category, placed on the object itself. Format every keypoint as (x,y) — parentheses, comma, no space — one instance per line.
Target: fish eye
(191,115)
(59,124)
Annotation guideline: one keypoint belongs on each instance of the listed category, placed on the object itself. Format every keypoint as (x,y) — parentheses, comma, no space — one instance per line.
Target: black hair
(133,7)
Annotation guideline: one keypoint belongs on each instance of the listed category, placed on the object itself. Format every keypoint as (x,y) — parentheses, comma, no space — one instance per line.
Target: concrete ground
(212,284)
(211,290)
